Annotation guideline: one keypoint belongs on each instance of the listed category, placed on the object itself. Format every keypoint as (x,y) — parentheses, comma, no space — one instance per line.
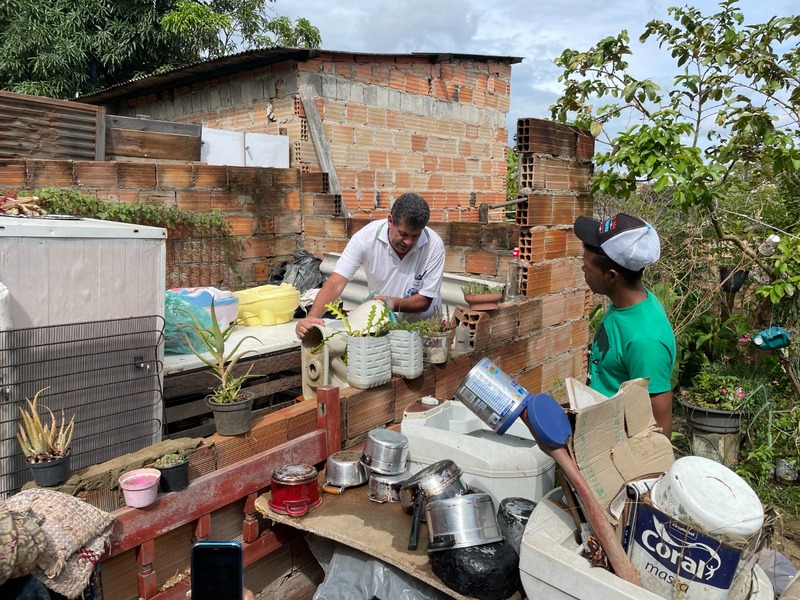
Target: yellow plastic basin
(268,304)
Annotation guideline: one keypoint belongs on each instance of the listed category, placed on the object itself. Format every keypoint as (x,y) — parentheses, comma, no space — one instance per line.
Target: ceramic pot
(174,478)
(483,301)
(140,487)
(232,418)
(51,472)
(712,420)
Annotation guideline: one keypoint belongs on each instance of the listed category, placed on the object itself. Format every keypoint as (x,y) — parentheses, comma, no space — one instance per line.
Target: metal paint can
(492,395)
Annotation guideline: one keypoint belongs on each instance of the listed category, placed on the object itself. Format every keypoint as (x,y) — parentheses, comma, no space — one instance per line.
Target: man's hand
(304,325)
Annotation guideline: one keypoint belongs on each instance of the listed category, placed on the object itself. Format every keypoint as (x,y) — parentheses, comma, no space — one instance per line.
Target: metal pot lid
(294,474)
(388,438)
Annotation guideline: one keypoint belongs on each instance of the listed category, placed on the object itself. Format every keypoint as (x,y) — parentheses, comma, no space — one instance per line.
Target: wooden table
(378,530)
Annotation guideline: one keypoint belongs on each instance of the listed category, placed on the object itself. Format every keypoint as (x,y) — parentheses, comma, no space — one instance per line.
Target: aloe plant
(41,441)
(222,363)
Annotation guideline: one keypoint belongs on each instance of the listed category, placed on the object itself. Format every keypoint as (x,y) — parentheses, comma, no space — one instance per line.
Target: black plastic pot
(712,420)
(174,478)
(732,283)
(51,472)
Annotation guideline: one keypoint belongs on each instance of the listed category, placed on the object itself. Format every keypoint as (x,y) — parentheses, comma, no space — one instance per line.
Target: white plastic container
(406,353)
(369,361)
(505,466)
(708,495)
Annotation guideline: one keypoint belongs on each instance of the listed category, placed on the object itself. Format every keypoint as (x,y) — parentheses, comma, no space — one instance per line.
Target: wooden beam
(307,96)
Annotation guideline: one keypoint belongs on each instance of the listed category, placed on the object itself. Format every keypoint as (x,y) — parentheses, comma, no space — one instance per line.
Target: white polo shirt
(420,271)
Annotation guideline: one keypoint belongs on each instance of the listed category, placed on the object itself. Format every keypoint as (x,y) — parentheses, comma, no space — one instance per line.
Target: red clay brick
(12,173)
(481,263)
(95,173)
(136,175)
(50,173)
(193,200)
(174,176)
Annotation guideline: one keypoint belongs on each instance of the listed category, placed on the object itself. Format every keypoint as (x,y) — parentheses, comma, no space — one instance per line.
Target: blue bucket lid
(548,420)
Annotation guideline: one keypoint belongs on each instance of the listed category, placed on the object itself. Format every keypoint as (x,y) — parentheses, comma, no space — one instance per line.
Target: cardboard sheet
(614,439)
(380,530)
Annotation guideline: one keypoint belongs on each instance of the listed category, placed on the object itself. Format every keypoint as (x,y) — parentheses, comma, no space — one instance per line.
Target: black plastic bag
(303,273)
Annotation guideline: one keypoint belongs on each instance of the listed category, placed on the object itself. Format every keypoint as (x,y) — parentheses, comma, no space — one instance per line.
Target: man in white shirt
(403,260)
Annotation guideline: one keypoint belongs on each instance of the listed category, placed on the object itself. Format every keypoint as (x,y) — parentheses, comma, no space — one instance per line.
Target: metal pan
(343,470)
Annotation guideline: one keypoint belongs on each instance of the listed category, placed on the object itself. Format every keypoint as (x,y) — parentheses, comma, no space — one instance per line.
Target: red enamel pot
(294,490)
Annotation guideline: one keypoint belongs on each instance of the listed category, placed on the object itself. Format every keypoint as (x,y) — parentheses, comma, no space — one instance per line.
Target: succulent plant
(41,441)
(170,460)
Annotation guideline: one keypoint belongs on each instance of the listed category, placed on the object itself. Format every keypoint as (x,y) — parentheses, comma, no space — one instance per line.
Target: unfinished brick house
(379,125)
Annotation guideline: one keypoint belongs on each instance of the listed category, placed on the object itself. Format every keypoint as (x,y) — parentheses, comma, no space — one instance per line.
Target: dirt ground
(787,539)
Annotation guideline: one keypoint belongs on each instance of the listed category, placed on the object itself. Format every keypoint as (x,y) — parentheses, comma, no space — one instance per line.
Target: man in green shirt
(635,338)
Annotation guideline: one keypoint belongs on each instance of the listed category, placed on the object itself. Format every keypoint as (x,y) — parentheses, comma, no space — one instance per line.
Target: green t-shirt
(632,342)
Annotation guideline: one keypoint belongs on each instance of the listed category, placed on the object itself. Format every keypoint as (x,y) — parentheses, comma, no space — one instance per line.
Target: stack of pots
(387,458)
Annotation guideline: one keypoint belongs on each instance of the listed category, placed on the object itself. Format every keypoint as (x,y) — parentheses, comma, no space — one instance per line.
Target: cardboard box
(615,440)
(675,560)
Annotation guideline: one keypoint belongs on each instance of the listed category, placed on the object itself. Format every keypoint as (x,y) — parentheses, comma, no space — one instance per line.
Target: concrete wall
(392,124)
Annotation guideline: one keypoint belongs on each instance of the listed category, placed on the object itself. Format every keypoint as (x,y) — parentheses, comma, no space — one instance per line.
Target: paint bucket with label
(492,395)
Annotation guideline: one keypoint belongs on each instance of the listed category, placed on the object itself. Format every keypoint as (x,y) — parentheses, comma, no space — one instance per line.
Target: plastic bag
(176,324)
(303,273)
(352,575)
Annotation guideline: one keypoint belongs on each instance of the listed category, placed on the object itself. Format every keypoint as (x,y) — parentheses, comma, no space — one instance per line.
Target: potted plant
(46,445)
(174,469)
(231,405)
(480,296)
(368,355)
(435,333)
(406,346)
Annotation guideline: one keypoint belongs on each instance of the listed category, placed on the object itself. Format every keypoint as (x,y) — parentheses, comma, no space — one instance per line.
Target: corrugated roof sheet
(250,59)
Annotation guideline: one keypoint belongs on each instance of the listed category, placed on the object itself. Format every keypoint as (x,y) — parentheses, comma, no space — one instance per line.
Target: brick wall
(262,207)
(393,124)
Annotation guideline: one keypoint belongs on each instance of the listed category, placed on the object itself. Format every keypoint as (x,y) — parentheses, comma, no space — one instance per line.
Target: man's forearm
(330,291)
(413,304)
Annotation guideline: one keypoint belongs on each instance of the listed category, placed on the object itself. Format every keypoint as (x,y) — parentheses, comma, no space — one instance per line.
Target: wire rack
(106,373)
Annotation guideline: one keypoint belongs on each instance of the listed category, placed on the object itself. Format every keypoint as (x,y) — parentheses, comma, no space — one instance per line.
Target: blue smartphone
(217,571)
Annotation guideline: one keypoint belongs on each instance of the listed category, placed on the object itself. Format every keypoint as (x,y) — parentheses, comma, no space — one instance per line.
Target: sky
(535,30)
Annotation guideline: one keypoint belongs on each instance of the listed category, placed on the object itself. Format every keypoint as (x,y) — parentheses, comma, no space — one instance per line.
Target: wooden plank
(152,144)
(100,135)
(307,95)
(140,124)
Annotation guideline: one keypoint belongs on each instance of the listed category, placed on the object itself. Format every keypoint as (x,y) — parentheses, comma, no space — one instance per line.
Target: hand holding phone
(217,571)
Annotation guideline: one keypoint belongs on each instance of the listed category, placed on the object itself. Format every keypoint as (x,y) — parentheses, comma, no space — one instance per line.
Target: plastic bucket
(704,493)
(492,395)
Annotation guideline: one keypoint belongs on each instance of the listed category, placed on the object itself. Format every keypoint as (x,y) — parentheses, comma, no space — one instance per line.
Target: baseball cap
(628,241)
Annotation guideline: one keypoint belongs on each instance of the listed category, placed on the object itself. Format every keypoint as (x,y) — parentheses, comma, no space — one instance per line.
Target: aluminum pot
(438,481)
(441,477)
(386,488)
(294,490)
(342,470)
(385,451)
(462,522)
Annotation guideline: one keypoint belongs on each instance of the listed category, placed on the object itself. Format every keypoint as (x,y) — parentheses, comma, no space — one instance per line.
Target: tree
(729,123)
(61,48)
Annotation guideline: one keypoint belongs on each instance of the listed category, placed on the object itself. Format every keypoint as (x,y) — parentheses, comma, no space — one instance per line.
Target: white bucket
(704,493)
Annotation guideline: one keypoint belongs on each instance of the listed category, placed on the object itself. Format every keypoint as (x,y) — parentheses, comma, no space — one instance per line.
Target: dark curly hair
(410,210)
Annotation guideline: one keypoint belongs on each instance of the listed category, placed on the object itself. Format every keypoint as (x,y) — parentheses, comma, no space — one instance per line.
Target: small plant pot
(483,301)
(52,472)
(406,349)
(232,418)
(369,361)
(140,487)
(174,478)
(436,348)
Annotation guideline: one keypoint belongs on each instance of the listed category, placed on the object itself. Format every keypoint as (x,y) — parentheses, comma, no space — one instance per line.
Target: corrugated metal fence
(48,128)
